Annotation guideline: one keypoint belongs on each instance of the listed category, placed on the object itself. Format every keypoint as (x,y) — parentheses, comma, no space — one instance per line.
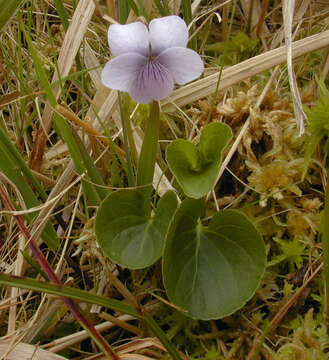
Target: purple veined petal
(184,64)
(129,38)
(166,32)
(120,72)
(154,82)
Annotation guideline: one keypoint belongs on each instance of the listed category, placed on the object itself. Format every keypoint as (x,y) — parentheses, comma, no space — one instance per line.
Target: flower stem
(131,153)
(45,266)
(149,149)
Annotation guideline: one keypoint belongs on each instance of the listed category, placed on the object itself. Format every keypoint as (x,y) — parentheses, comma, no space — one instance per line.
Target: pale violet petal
(184,64)
(166,32)
(154,82)
(120,72)
(129,38)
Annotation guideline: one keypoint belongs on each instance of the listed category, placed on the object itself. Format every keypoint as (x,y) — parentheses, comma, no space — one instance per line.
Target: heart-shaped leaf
(196,168)
(126,232)
(211,271)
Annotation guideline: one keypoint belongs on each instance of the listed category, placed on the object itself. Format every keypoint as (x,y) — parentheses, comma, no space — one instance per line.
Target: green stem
(149,149)
(127,137)
(213,101)
(232,19)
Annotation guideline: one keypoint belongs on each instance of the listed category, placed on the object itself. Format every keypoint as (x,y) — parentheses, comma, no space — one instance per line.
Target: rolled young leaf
(196,167)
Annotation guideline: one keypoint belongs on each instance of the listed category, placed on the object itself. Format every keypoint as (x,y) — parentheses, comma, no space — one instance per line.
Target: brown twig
(45,266)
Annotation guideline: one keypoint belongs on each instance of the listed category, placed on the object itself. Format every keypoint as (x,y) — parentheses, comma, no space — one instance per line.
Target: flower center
(152,74)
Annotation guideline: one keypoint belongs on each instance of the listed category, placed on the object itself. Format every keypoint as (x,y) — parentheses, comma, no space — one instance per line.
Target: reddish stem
(72,306)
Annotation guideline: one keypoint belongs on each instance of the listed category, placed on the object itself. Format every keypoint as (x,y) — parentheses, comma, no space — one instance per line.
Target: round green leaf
(126,232)
(212,271)
(196,168)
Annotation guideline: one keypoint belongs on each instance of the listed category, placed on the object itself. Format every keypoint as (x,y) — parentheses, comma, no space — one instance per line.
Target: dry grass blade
(298,17)
(135,345)
(26,352)
(175,6)
(253,11)
(123,357)
(126,351)
(123,324)
(67,113)
(90,61)
(69,50)
(246,69)
(5,99)
(73,39)
(67,341)
(61,185)
(288,11)
(106,100)
(195,6)
(18,271)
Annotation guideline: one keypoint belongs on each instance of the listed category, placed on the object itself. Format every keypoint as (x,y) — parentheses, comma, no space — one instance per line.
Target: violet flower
(147,61)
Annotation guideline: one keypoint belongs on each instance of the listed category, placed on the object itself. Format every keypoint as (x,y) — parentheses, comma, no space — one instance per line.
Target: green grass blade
(61,11)
(142,10)
(69,292)
(7,10)
(40,71)
(10,168)
(49,324)
(231,20)
(34,264)
(124,8)
(10,147)
(163,7)
(187,10)
(21,79)
(134,7)
(154,327)
(85,296)
(117,159)
(187,15)
(90,166)
(75,75)
(12,171)
(213,100)
(63,129)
